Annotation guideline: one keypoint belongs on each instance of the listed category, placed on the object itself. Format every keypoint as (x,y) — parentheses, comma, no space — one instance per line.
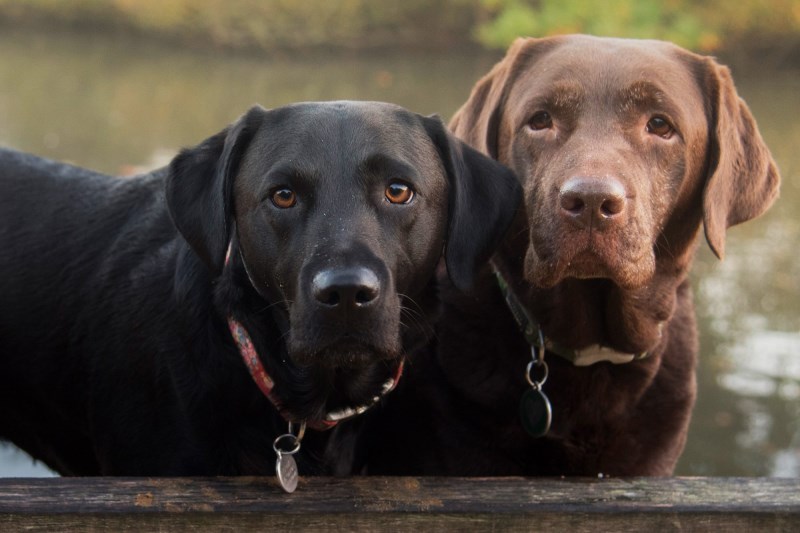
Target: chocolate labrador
(174,322)
(624,148)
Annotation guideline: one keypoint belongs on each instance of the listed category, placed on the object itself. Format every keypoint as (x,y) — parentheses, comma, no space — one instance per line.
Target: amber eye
(541,120)
(284,198)
(659,126)
(399,193)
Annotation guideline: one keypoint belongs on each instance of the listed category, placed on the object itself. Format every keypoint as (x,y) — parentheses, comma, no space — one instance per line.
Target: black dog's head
(339,213)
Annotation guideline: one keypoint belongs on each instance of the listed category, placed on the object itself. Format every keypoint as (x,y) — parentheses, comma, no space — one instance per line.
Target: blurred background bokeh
(120,85)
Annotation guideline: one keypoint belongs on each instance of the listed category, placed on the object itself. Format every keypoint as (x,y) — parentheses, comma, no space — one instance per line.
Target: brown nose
(596,202)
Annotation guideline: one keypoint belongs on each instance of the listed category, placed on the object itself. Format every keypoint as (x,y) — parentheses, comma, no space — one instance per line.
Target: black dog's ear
(483,199)
(199,186)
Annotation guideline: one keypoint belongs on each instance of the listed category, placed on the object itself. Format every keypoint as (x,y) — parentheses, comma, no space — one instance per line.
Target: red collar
(266,384)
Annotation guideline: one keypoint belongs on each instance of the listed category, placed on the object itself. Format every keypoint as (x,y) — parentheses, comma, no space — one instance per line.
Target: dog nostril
(613,206)
(366,295)
(572,203)
(329,297)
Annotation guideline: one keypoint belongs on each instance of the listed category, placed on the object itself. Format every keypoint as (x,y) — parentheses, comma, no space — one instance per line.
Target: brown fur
(620,282)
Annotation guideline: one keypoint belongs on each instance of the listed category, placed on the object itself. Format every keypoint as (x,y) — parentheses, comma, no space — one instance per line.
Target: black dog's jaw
(115,353)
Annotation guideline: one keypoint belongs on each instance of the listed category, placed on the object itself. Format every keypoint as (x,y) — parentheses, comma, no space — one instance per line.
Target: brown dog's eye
(284,198)
(541,120)
(399,193)
(659,126)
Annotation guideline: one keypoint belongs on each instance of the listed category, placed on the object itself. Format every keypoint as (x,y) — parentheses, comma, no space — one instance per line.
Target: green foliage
(651,19)
(700,25)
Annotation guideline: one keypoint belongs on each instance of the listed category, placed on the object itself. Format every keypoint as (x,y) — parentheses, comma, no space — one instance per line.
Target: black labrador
(304,238)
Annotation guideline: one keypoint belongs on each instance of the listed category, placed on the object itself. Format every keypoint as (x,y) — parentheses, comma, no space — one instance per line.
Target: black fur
(115,357)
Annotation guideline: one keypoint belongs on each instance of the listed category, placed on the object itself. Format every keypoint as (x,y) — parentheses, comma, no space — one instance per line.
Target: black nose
(346,288)
(598,202)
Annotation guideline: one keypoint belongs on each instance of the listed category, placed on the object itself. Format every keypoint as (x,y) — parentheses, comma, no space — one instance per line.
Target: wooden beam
(401,504)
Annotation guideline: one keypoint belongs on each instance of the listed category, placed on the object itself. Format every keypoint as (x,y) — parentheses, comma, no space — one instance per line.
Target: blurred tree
(703,25)
(264,24)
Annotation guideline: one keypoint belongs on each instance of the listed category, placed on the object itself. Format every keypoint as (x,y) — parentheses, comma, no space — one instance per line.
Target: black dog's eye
(399,193)
(541,120)
(659,126)
(284,198)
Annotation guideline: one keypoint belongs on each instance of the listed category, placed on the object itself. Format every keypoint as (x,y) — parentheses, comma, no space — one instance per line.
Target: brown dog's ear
(199,185)
(478,121)
(742,178)
(483,199)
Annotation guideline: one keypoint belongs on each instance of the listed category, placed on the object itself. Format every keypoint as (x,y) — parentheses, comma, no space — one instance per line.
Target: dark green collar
(533,333)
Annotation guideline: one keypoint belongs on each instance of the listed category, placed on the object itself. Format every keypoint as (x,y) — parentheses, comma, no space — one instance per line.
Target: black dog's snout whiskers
(346,288)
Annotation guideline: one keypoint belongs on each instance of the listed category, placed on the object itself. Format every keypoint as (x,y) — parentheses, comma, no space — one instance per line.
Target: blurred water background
(122,95)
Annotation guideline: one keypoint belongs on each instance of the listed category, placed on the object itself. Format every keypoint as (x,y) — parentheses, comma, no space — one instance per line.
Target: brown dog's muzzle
(589,226)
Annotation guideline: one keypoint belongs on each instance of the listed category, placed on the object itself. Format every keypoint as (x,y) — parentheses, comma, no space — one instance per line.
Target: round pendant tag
(535,413)
(286,469)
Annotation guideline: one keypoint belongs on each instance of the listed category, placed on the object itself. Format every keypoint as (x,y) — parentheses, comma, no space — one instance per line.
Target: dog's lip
(627,273)
(587,263)
(349,351)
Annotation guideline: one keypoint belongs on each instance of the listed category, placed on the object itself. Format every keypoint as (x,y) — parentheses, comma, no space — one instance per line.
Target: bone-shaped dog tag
(286,470)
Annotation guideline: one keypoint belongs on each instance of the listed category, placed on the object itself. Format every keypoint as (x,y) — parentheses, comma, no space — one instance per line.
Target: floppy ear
(483,199)
(199,184)
(742,179)
(478,121)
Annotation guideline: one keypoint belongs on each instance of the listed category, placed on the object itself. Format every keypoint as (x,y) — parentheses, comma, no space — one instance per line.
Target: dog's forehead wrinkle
(605,51)
(352,130)
(338,128)
(586,63)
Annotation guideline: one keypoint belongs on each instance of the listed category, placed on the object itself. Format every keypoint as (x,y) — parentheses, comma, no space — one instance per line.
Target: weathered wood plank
(402,504)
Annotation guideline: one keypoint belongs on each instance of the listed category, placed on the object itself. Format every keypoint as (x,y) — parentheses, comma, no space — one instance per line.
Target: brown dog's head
(624,147)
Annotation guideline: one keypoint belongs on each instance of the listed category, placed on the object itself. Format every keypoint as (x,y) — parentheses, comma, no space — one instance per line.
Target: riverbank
(746,32)
(274,26)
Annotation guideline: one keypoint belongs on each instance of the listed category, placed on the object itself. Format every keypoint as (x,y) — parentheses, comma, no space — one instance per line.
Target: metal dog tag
(286,470)
(535,412)
(285,466)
